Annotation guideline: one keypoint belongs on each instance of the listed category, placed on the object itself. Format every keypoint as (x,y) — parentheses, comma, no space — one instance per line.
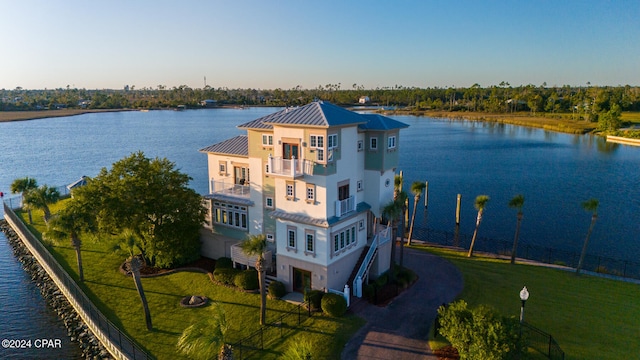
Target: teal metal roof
(379,122)
(317,113)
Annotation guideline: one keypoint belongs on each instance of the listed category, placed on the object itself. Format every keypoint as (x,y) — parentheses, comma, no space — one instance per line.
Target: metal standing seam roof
(379,122)
(238,145)
(318,113)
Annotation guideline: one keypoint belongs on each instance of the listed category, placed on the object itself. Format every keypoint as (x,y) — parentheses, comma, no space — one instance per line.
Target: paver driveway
(400,330)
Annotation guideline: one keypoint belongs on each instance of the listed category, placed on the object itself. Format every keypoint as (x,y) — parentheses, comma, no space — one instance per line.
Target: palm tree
(392,211)
(255,245)
(517,202)
(402,200)
(41,198)
(24,185)
(206,338)
(136,264)
(69,223)
(480,204)
(590,205)
(416,188)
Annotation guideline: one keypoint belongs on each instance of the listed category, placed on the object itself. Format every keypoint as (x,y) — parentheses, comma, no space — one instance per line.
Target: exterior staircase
(352,277)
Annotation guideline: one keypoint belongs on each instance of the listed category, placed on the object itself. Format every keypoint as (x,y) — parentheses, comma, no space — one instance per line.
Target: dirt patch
(447,353)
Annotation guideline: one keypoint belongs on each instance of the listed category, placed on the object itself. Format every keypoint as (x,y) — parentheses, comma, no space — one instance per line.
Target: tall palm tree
(480,204)
(69,223)
(41,198)
(24,185)
(136,264)
(517,202)
(416,188)
(206,338)
(590,205)
(402,202)
(392,211)
(255,245)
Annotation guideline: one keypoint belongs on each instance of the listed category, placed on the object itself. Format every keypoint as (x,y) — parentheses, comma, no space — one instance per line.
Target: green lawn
(590,317)
(115,295)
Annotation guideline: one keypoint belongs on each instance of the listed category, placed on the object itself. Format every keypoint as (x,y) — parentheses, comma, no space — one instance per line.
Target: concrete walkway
(400,330)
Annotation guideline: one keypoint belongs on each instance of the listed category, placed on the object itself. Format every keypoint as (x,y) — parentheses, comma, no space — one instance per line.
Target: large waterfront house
(313,179)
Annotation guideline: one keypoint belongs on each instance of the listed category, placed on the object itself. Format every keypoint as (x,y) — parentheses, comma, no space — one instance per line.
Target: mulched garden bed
(447,353)
(203,264)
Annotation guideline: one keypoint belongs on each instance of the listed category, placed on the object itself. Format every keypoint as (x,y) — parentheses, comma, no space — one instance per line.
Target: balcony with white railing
(345,206)
(229,188)
(289,167)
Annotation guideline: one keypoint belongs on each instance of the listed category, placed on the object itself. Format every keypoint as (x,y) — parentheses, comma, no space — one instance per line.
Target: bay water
(555,172)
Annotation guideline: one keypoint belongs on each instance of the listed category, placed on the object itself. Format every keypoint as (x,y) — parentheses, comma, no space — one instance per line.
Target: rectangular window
(373,143)
(290,190)
(311,192)
(309,241)
(320,141)
(267,140)
(270,238)
(348,232)
(332,141)
(361,225)
(312,141)
(320,155)
(360,145)
(222,165)
(291,237)
(359,185)
(353,234)
(269,202)
(391,142)
(230,215)
(336,243)
(344,238)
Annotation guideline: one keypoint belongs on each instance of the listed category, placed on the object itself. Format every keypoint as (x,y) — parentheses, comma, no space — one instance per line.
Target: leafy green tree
(41,198)
(392,211)
(255,245)
(416,188)
(23,185)
(71,222)
(480,333)
(206,338)
(517,202)
(610,120)
(591,206)
(480,204)
(152,199)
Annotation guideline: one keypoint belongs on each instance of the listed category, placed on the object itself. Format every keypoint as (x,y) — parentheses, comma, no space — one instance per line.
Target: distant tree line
(584,101)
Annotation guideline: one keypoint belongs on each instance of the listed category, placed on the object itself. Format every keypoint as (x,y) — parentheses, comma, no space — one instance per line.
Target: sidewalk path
(400,330)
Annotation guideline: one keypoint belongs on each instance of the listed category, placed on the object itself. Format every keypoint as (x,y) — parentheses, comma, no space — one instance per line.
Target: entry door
(290,150)
(301,280)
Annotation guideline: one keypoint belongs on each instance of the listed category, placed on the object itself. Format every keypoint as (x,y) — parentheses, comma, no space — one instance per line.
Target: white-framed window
(343,239)
(360,145)
(230,215)
(270,237)
(359,186)
(267,140)
(316,142)
(291,237)
(373,143)
(269,202)
(309,241)
(361,225)
(311,193)
(290,190)
(332,141)
(391,142)
(222,167)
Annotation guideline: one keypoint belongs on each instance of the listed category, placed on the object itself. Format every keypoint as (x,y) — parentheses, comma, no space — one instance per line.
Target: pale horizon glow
(284,44)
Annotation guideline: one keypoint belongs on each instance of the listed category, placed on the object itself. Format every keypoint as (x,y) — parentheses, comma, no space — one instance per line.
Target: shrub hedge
(314,297)
(276,290)
(334,304)
(225,275)
(224,263)
(246,280)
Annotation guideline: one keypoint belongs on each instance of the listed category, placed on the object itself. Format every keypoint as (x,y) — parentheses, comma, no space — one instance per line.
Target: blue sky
(282,44)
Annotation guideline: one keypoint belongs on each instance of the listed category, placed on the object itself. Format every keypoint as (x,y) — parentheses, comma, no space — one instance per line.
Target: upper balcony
(345,206)
(230,189)
(292,168)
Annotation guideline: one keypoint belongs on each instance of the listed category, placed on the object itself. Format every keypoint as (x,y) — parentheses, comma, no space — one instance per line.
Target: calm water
(555,172)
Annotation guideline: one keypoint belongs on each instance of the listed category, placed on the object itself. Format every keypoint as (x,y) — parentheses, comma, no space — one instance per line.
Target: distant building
(364,100)
(209,103)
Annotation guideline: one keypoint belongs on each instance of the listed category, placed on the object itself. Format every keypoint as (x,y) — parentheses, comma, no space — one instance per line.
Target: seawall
(77,330)
(623,140)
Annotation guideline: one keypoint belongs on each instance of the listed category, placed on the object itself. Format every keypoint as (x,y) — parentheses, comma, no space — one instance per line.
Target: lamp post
(524,295)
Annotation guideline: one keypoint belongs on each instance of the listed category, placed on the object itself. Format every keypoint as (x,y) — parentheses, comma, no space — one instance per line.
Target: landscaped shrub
(369,291)
(405,277)
(224,263)
(314,297)
(225,276)
(276,290)
(382,280)
(334,304)
(247,280)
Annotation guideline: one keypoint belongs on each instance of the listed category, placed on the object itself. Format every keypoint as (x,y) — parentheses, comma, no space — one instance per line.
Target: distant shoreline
(8,116)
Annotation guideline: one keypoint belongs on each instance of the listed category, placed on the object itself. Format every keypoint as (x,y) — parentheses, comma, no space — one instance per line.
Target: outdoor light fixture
(524,295)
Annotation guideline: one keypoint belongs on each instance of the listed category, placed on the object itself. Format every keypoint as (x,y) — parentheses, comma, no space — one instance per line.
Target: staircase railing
(363,272)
